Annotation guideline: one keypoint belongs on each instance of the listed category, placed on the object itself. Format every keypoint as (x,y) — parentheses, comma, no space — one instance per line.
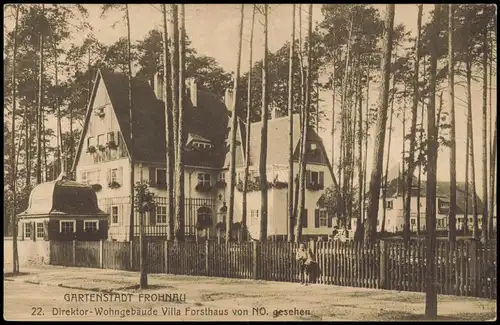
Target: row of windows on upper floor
(158,177)
(103,139)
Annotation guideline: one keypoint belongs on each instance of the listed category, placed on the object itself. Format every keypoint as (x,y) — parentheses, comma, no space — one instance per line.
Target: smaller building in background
(393,205)
(59,210)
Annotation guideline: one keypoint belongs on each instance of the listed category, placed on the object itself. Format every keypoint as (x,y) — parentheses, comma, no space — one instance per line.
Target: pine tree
(234,123)
(376,174)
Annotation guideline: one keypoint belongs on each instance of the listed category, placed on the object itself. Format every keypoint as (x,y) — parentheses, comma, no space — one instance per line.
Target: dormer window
(201,145)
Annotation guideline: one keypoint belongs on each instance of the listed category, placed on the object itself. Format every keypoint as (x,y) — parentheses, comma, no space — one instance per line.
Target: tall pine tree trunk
(297,213)
(386,181)
(367,124)
(378,152)
(466,187)
(475,227)
(432,130)
(290,131)
(484,224)
(413,129)
(179,166)
(167,78)
(492,181)
(15,257)
(40,104)
(453,149)
(303,162)
(492,149)
(248,129)
(360,153)
(131,117)
(263,134)
(234,120)
(174,57)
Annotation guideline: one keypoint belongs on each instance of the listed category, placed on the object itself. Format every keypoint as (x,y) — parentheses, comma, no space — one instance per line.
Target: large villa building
(103,160)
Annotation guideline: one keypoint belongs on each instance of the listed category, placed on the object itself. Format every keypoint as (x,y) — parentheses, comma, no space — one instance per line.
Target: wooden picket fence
(464,269)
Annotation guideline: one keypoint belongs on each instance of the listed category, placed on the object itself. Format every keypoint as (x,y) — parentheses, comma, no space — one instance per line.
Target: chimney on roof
(228,99)
(193,90)
(158,85)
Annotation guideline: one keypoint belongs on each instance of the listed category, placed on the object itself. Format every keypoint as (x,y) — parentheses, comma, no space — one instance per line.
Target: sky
(213,31)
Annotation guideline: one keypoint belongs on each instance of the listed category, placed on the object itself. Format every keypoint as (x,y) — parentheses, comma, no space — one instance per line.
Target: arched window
(204,216)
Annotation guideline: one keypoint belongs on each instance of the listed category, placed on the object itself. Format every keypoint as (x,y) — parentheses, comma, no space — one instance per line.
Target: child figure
(306,260)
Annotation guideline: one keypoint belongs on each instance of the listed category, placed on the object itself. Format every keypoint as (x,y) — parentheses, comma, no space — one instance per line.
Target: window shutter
(321,178)
(45,230)
(20,230)
(108,176)
(316,218)
(304,218)
(33,231)
(152,178)
(152,217)
(120,175)
(330,217)
(308,177)
(117,138)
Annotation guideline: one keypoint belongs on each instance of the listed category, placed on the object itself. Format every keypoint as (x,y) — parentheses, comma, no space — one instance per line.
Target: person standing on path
(306,261)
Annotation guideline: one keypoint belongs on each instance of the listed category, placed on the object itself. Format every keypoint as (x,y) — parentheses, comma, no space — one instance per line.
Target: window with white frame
(316,178)
(111,137)
(161,214)
(90,225)
(161,176)
(91,141)
(222,177)
(114,214)
(27,230)
(101,140)
(65,227)
(39,230)
(323,218)
(91,176)
(254,217)
(388,205)
(114,174)
(203,179)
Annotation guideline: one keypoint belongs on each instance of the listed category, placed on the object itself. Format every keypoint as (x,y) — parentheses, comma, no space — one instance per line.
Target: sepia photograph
(250,162)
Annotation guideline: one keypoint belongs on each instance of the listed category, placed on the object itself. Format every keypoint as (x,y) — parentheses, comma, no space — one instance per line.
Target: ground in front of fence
(316,302)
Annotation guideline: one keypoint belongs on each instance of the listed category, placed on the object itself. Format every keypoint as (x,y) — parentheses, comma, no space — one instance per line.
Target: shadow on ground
(401,316)
(10,274)
(150,287)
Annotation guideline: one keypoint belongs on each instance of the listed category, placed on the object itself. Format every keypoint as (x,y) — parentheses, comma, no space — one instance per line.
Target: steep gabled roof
(277,144)
(208,120)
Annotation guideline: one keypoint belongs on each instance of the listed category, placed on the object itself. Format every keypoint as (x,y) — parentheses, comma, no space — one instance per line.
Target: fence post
(206,257)
(166,257)
(131,255)
(74,252)
(473,266)
(255,259)
(383,265)
(101,254)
